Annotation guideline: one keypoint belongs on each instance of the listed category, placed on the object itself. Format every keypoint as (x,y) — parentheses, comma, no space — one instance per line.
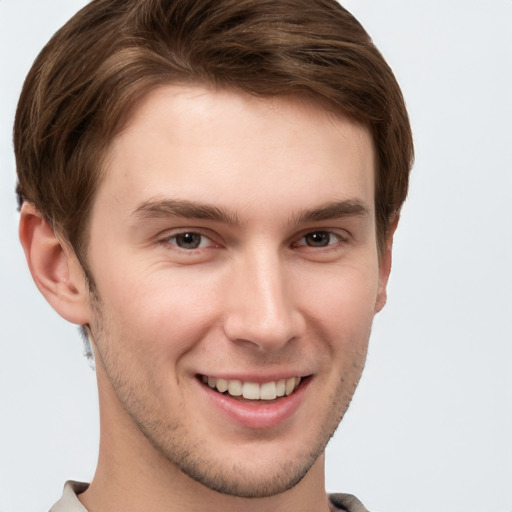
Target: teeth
(222,385)
(268,391)
(281,387)
(252,390)
(290,386)
(235,387)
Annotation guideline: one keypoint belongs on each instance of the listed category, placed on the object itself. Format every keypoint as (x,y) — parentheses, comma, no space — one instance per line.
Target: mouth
(235,388)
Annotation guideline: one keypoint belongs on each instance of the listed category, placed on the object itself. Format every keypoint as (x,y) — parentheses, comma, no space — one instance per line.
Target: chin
(244,481)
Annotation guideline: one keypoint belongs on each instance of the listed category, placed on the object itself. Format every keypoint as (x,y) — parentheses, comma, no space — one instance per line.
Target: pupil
(318,239)
(188,240)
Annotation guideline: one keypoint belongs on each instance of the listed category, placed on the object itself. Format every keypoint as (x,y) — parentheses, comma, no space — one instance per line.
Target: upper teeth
(253,390)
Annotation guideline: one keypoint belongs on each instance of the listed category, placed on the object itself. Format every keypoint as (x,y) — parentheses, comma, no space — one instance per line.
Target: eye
(319,239)
(190,240)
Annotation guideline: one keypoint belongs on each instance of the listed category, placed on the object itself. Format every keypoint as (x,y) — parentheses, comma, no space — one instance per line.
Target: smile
(252,390)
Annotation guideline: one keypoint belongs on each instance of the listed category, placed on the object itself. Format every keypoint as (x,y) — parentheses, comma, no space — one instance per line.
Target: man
(210,189)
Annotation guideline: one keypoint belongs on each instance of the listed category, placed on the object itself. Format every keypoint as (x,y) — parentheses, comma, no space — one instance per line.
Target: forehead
(221,146)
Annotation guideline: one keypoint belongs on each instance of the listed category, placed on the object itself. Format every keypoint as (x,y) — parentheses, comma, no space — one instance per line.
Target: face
(233,247)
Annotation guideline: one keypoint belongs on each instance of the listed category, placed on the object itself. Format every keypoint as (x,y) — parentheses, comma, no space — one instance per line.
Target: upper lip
(257,378)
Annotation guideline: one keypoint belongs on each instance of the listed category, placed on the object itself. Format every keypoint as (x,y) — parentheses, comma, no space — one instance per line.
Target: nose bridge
(261,306)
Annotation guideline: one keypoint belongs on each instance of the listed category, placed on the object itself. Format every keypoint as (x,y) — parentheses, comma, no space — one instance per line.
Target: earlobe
(385,266)
(54,266)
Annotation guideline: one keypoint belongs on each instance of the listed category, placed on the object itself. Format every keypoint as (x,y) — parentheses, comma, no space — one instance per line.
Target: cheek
(344,306)
(161,315)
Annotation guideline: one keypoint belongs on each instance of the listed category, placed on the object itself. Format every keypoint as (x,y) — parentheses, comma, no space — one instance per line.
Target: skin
(286,280)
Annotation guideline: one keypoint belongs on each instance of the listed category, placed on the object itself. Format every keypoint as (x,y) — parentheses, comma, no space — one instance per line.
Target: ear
(385,260)
(54,267)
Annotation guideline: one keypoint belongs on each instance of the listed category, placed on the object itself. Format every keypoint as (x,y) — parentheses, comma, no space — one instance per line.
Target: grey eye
(318,239)
(188,240)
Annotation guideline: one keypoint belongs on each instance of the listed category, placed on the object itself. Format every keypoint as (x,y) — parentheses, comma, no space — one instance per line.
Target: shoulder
(347,502)
(69,501)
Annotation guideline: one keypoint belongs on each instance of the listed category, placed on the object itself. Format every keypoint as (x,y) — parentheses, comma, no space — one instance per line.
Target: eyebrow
(333,210)
(161,208)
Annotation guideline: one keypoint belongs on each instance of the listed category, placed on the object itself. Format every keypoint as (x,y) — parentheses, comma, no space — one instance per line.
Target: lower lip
(259,415)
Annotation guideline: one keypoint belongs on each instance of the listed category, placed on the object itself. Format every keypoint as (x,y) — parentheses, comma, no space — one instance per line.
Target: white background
(431,424)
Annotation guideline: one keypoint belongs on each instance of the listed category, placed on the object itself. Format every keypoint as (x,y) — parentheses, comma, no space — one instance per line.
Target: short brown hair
(87,79)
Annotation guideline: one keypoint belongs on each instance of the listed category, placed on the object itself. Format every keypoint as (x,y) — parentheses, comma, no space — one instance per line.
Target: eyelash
(333,240)
(173,239)
(338,239)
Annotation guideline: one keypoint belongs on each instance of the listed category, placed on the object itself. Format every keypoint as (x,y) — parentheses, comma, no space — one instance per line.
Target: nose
(261,304)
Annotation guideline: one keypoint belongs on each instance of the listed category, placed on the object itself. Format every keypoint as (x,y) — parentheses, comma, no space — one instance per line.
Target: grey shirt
(70,503)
